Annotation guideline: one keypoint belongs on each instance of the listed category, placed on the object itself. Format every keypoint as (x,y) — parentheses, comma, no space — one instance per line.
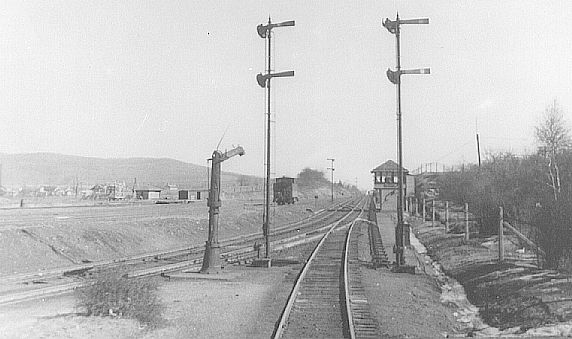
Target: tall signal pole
(332,168)
(264,31)
(395,78)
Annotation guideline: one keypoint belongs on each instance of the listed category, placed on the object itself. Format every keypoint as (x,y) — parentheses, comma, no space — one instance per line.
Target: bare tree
(553,135)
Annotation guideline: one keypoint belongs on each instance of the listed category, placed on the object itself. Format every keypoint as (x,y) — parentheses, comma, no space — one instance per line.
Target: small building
(196,194)
(386,184)
(97,191)
(118,191)
(47,190)
(170,191)
(147,192)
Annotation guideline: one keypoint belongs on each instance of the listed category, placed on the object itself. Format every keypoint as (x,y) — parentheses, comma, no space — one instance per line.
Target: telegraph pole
(478,143)
(332,168)
(479,149)
(395,78)
(265,32)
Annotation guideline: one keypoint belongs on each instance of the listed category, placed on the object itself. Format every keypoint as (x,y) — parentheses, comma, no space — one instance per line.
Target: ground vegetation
(112,293)
(535,190)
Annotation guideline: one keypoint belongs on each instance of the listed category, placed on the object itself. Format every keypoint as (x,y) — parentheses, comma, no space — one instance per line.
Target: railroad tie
(364,324)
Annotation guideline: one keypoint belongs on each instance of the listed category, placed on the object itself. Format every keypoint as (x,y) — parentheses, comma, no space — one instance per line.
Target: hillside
(58,169)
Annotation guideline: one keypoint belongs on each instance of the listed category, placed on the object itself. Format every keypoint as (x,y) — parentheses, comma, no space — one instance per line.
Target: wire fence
(512,239)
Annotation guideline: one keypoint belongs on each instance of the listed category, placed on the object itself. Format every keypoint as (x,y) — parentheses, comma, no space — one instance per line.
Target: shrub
(555,232)
(111,293)
(522,186)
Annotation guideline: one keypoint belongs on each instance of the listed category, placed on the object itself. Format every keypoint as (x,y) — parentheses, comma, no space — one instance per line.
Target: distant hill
(58,169)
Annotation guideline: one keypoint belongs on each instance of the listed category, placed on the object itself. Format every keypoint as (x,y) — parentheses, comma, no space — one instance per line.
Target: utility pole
(332,168)
(395,78)
(479,150)
(265,32)
(133,191)
(478,143)
(501,236)
(211,259)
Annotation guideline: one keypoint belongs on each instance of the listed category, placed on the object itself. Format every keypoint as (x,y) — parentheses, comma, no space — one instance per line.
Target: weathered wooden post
(423,211)
(501,240)
(446,216)
(466,221)
(433,213)
(416,207)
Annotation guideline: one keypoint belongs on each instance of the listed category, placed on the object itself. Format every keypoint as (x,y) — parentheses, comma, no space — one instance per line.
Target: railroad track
(327,300)
(27,218)
(31,286)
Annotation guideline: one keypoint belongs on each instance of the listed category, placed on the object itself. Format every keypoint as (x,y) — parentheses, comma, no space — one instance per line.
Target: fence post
(416,207)
(446,216)
(433,213)
(501,240)
(423,211)
(466,221)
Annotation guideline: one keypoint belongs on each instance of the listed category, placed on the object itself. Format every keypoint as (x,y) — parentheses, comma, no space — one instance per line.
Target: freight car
(285,191)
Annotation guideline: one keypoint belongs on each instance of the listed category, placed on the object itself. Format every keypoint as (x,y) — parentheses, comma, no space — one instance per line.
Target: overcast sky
(168,78)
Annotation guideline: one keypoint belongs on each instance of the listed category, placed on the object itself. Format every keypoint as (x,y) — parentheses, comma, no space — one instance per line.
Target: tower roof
(389,165)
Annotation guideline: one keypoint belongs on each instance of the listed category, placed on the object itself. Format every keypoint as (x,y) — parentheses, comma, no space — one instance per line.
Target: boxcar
(285,191)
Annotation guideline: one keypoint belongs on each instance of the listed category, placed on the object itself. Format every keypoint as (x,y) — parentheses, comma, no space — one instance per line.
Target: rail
(242,242)
(346,309)
(347,301)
